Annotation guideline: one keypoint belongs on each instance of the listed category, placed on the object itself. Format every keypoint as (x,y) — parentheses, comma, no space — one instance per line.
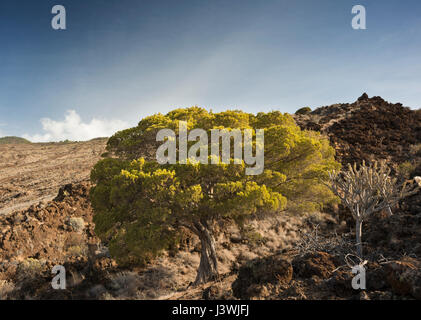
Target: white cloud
(72,128)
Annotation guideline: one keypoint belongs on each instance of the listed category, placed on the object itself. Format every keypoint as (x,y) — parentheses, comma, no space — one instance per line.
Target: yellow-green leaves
(140,205)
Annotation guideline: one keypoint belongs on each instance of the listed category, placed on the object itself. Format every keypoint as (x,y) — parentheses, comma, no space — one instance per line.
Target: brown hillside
(30,173)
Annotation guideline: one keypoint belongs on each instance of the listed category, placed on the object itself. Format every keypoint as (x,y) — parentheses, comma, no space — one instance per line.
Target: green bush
(406,169)
(305,110)
(141,207)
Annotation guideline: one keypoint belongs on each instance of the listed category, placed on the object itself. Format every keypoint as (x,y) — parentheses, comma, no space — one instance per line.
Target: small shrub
(406,169)
(76,223)
(125,284)
(252,236)
(76,251)
(74,239)
(97,291)
(305,110)
(29,268)
(416,149)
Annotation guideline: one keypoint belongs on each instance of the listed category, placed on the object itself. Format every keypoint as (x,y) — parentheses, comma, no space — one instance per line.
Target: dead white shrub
(369,189)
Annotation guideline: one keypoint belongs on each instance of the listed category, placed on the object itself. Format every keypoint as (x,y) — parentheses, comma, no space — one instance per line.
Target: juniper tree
(368,189)
(142,207)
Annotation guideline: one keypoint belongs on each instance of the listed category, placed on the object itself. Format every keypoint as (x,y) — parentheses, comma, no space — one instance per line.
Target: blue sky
(119,61)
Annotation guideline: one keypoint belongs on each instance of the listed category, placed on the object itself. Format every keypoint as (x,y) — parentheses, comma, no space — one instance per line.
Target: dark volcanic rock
(255,274)
(405,277)
(318,264)
(368,129)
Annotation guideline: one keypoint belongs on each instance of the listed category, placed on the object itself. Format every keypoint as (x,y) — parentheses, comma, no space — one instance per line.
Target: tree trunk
(358,233)
(208,267)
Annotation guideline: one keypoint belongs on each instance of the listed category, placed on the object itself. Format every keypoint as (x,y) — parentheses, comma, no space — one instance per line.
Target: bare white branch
(369,189)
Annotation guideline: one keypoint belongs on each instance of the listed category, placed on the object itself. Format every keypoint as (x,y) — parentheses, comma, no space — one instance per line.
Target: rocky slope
(33,172)
(61,232)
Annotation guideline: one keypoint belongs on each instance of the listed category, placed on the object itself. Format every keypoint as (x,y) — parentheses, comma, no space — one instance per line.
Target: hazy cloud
(72,128)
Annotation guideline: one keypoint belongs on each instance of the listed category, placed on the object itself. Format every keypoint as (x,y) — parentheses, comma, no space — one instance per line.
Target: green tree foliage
(142,207)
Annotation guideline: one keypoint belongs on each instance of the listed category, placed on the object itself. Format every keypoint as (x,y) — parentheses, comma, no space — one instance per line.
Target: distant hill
(13,140)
